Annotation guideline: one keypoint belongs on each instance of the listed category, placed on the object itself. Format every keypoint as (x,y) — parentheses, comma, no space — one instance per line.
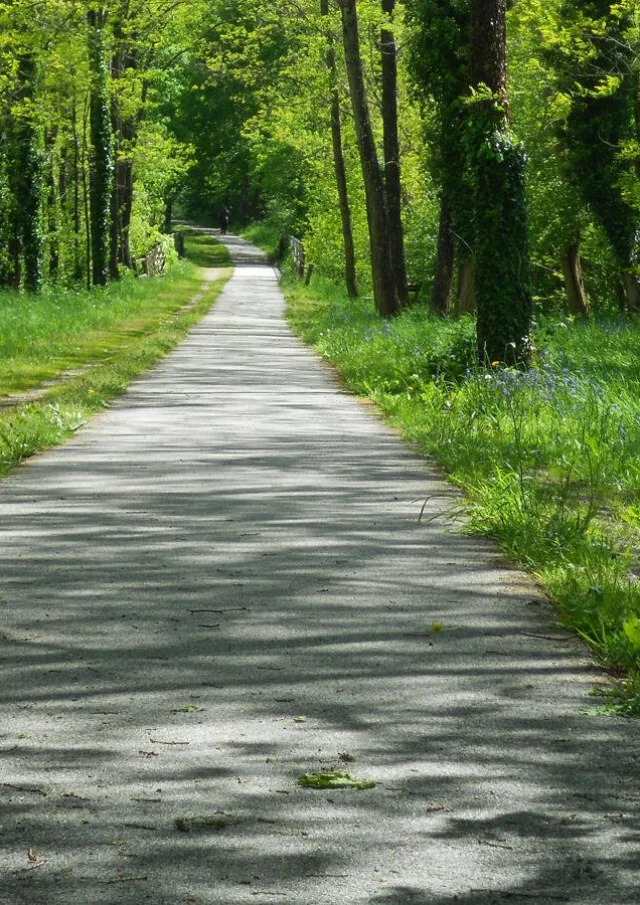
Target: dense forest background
(114,114)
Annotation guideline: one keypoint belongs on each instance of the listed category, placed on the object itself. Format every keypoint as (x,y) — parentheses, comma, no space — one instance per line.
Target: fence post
(297,255)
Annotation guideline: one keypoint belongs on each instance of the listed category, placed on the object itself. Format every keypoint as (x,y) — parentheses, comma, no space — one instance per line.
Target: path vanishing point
(221,584)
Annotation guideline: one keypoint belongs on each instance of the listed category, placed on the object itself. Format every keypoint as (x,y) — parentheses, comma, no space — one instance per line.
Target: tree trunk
(384,286)
(339,166)
(53,204)
(168,217)
(500,222)
(466,301)
(444,263)
(101,150)
(86,192)
(125,130)
(391,142)
(77,179)
(632,291)
(573,281)
(27,178)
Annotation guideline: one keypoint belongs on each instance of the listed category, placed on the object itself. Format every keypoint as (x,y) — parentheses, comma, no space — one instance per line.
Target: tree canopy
(485,157)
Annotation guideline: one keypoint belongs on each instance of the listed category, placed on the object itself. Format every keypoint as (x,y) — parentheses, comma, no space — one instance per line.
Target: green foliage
(594,61)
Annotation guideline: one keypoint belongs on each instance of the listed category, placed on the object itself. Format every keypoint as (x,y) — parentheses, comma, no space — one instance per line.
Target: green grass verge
(265,236)
(128,327)
(549,459)
(205,251)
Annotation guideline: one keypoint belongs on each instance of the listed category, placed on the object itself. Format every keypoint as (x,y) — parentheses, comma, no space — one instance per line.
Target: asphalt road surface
(222,583)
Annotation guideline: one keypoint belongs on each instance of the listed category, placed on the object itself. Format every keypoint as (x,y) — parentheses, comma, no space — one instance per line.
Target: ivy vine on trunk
(101,159)
(496,164)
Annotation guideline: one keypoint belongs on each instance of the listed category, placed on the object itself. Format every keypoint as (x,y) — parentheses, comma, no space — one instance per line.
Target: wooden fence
(296,250)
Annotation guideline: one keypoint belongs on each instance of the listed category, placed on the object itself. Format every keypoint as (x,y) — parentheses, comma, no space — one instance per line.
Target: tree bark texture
(339,165)
(391,142)
(76,176)
(499,206)
(466,301)
(125,129)
(444,262)
(53,204)
(384,286)
(488,65)
(101,151)
(574,281)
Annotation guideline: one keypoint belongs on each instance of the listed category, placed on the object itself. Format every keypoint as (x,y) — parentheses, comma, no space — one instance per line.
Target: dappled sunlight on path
(223,583)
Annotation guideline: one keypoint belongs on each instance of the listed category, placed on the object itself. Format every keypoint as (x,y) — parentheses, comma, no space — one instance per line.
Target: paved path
(221,584)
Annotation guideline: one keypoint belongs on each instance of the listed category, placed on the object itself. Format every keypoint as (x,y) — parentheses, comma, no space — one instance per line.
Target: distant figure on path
(224,221)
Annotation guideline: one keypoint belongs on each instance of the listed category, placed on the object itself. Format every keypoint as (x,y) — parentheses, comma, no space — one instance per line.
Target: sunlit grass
(204,251)
(265,236)
(105,337)
(44,335)
(549,459)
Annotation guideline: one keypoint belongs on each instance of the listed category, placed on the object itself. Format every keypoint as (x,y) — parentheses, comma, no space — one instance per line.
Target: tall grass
(549,458)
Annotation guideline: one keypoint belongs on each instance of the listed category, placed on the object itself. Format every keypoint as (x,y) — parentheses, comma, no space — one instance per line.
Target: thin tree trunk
(391,142)
(86,191)
(444,263)
(168,216)
(101,150)
(52,207)
(384,285)
(125,131)
(574,281)
(15,251)
(339,165)
(632,291)
(466,301)
(77,178)
(27,178)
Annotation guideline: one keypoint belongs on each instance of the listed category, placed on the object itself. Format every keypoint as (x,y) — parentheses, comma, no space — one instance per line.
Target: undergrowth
(549,458)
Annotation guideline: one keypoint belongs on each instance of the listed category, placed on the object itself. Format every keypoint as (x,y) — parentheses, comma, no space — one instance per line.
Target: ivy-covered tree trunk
(391,142)
(25,179)
(125,129)
(499,209)
(339,165)
(384,285)
(101,163)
